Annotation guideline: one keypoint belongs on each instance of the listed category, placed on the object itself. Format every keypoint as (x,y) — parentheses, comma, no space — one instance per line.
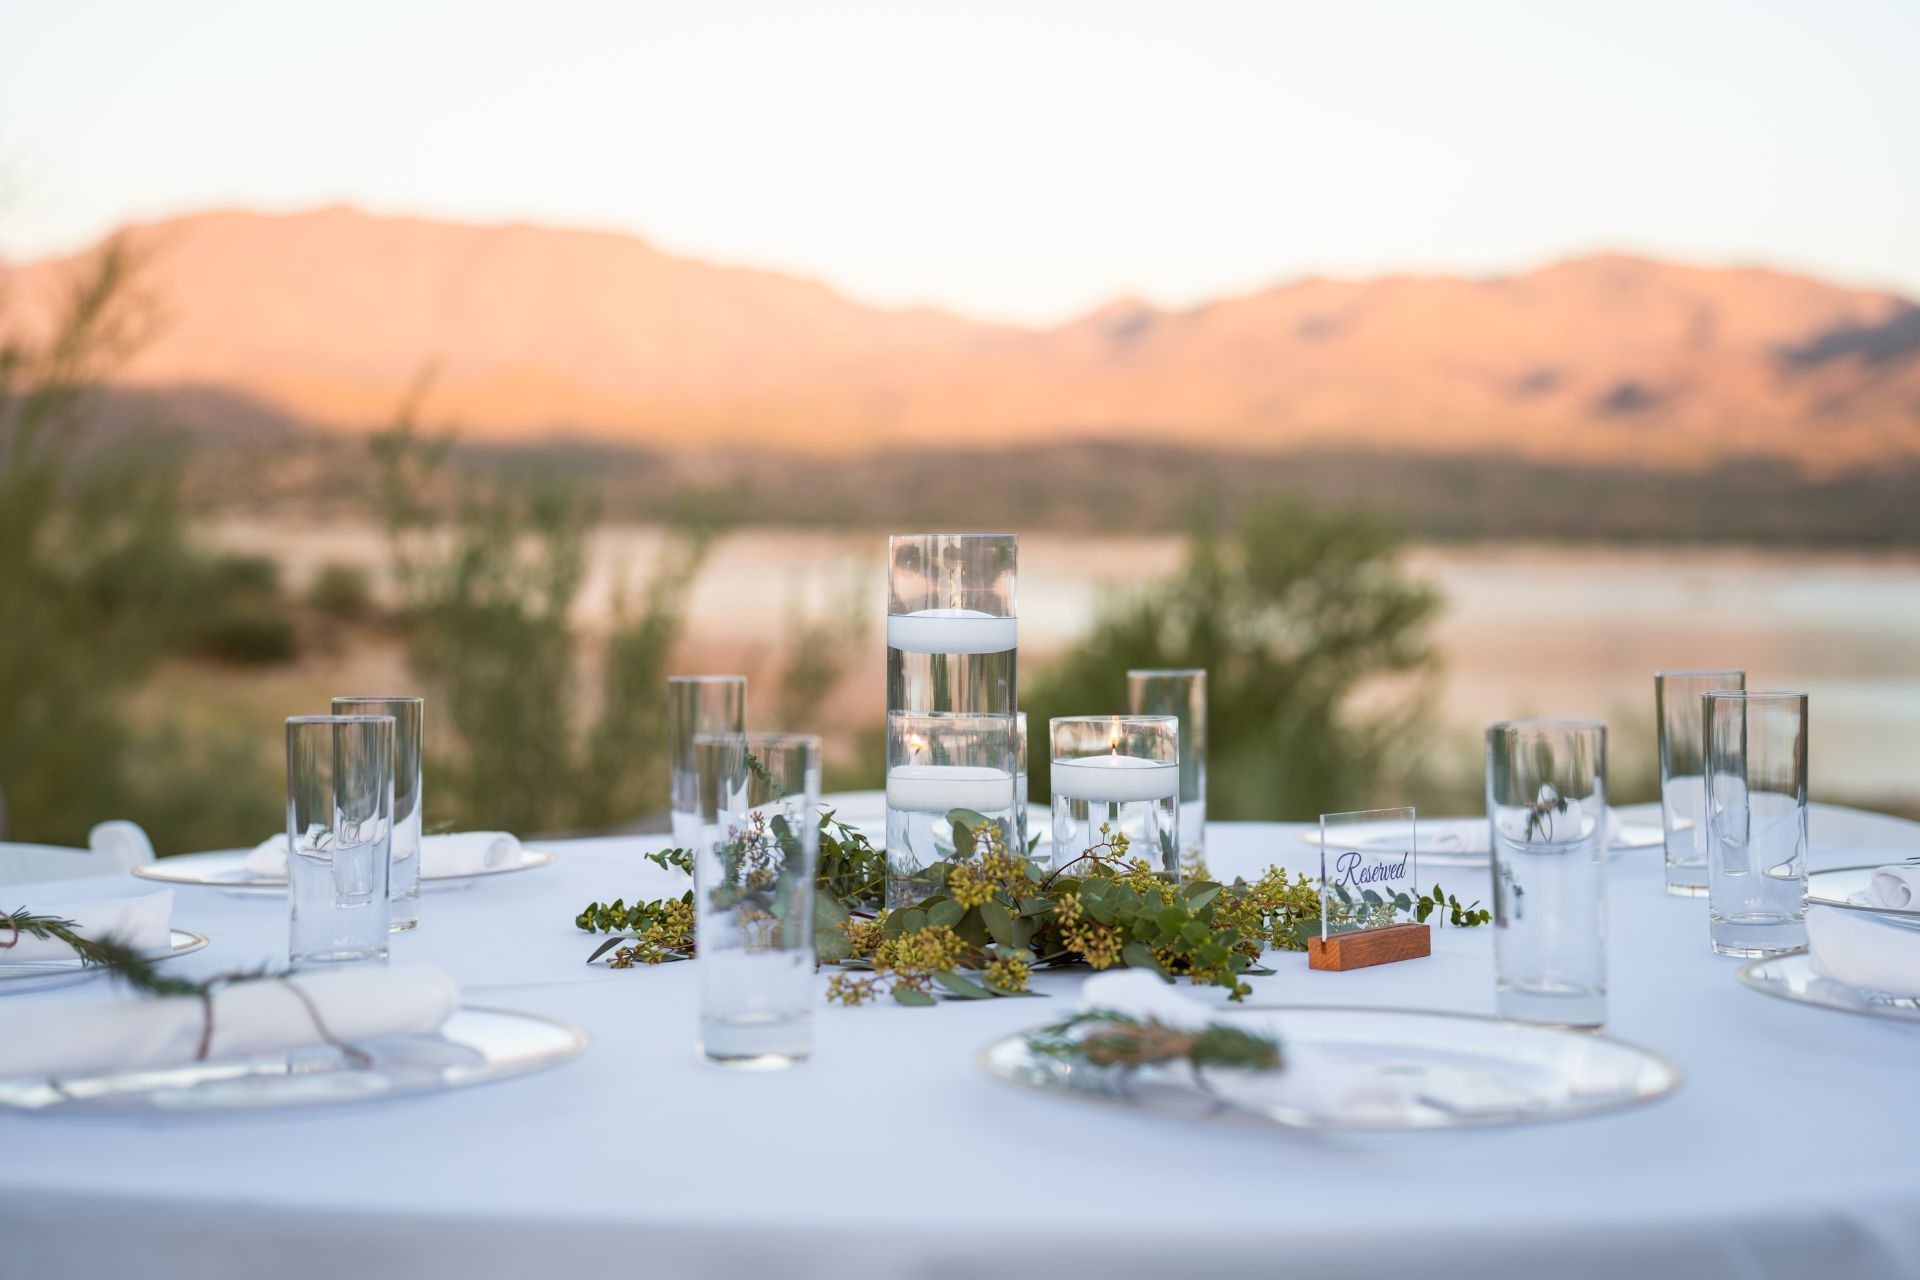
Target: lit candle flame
(1113,743)
(916,746)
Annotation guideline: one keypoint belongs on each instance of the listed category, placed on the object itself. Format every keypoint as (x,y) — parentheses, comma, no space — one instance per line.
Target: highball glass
(409,726)
(1683,788)
(339,838)
(697,705)
(753,887)
(1547,810)
(1756,822)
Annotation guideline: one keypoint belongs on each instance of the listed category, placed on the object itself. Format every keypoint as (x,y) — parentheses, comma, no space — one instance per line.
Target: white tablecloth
(1792,1149)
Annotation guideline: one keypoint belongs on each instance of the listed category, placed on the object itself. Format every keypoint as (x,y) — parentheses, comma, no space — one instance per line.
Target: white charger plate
(1791,977)
(474,1046)
(227,869)
(1397,1070)
(20,977)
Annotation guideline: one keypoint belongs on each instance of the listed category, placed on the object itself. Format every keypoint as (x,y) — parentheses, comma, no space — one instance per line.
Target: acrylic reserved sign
(1367,869)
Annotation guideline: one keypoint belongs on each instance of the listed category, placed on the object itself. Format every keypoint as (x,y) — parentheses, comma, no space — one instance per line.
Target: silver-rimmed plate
(1444,842)
(1372,1070)
(1846,888)
(1462,842)
(227,870)
(20,977)
(1791,977)
(474,1046)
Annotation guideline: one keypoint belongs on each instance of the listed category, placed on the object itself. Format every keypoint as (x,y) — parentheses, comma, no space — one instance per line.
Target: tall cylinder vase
(953,633)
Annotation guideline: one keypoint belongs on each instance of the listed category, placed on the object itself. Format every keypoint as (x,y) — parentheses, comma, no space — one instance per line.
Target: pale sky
(1023,161)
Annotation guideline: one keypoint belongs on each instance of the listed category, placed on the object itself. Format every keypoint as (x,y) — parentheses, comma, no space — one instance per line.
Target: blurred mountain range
(325,319)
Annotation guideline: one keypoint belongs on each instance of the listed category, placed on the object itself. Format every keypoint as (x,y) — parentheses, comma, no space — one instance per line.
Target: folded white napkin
(1896,887)
(144,923)
(1850,947)
(257,1017)
(464,853)
(124,842)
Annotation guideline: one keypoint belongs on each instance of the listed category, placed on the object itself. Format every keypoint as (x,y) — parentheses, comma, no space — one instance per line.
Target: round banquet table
(1791,1149)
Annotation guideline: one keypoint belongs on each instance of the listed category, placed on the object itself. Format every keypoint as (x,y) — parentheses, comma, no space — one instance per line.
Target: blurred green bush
(342,591)
(99,583)
(1316,649)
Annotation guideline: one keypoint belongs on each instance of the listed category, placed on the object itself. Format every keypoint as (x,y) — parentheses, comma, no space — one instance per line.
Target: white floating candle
(952,631)
(1115,779)
(936,788)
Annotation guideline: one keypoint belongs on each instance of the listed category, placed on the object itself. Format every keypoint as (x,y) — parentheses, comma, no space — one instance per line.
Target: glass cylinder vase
(949,778)
(1116,790)
(952,626)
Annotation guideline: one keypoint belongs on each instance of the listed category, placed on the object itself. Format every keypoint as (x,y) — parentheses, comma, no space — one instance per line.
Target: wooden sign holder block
(1366,947)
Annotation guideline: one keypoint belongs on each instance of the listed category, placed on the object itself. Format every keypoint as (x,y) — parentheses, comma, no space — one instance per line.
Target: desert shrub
(98,581)
(1292,615)
(343,591)
(487,580)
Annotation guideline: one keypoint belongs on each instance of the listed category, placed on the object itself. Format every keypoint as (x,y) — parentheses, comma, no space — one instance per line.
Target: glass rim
(293,721)
(921,537)
(765,737)
(380,697)
(1136,673)
(1545,722)
(953,717)
(1672,672)
(706,679)
(1755,695)
(1142,720)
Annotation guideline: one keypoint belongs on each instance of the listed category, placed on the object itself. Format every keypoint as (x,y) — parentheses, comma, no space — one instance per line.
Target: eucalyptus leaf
(964,988)
(1139,955)
(1200,895)
(830,943)
(908,996)
(999,923)
(945,913)
(966,829)
(609,945)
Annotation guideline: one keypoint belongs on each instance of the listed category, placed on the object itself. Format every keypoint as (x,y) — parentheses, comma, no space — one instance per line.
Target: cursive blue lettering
(1350,872)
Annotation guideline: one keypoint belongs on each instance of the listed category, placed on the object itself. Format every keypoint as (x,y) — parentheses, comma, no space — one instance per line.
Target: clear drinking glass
(754,866)
(339,837)
(1181,692)
(1117,776)
(1756,821)
(952,627)
(1683,788)
(1547,810)
(409,727)
(1020,783)
(697,705)
(935,765)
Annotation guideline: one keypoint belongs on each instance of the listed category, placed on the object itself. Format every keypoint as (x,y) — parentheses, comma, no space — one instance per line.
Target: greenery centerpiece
(993,917)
